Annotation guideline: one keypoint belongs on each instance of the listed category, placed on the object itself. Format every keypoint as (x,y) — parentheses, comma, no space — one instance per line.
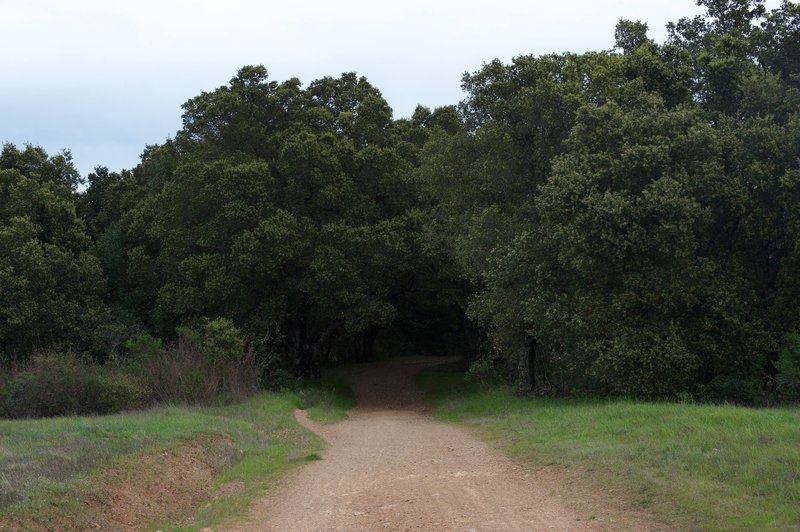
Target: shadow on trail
(391,385)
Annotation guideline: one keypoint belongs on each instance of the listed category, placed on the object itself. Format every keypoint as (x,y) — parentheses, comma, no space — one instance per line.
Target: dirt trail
(390,466)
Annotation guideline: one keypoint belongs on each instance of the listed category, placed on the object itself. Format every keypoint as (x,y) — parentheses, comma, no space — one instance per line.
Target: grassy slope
(46,465)
(697,466)
(327,399)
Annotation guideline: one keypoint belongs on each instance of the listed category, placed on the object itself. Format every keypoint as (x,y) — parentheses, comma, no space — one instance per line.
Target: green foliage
(281,208)
(34,163)
(632,216)
(611,222)
(114,391)
(58,384)
(729,389)
(144,346)
(486,371)
(788,366)
(200,367)
(222,341)
(622,267)
(326,399)
(51,285)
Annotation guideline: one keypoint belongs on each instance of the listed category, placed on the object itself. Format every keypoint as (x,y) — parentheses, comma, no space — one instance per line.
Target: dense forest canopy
(615,222)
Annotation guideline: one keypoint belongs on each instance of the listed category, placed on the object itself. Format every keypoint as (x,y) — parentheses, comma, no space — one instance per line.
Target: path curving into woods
(391,466)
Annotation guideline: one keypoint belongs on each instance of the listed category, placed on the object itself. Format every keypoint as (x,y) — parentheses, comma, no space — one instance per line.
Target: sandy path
(391,466)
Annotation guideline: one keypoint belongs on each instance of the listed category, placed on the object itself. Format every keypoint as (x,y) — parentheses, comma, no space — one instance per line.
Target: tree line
(613,222)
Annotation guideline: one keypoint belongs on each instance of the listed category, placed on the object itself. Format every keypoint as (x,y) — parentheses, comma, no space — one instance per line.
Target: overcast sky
(104,78)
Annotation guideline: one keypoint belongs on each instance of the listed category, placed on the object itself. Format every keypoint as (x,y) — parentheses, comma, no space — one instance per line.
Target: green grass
(328,399)
(695,466)
(46,465)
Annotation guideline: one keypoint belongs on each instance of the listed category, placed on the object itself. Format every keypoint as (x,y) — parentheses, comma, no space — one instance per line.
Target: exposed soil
(165,487)
(391,466)
(162,488)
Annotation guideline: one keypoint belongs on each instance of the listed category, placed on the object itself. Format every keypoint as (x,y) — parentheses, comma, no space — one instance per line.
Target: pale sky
(104,78)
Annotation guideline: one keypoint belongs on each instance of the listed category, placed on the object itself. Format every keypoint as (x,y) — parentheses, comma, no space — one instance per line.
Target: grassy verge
(696,466)
(328,399)
(49,467)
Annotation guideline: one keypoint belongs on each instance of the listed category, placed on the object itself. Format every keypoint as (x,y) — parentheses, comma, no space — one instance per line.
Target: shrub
(140,349)
(485,371)
(328,396)
(280,379)
(49,385)
(646,363)
(109,391)
(222,341)
(176,373)
(728,389)
(200,368)
(56,384)
(144,345)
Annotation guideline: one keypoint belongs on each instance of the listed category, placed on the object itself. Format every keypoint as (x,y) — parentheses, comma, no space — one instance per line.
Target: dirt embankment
(165,487)
(391,466)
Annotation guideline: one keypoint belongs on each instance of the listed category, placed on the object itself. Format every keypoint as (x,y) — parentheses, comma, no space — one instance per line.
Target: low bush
(201,367)
(486,371)
(728,389)
(56,384)
(112,391)
(222,341)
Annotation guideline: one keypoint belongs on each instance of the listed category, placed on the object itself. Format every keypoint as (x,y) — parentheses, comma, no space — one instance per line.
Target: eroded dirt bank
(391,466)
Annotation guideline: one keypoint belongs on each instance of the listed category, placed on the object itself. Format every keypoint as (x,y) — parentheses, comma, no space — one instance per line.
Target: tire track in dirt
(391,466)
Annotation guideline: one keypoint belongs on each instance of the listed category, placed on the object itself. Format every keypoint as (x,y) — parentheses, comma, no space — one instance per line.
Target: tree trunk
(541,378)
(313,360)
(369,343)
(297,341)
(363,344)
(525,370)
